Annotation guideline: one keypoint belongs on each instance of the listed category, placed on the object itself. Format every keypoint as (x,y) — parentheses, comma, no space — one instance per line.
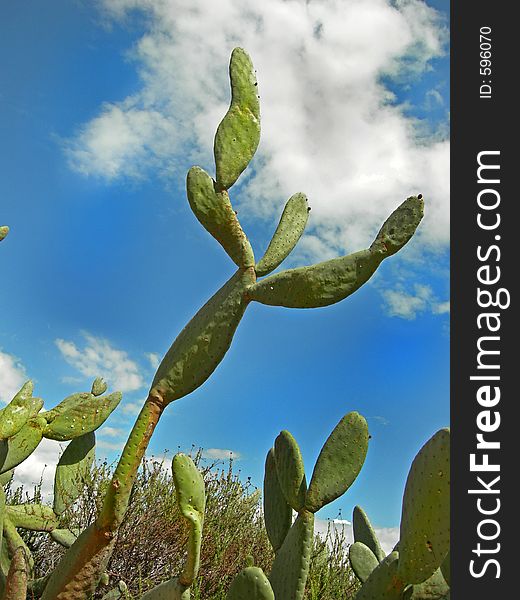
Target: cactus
(23,427)
(191,498)
(338,465)
(4,230)
(420,561)
(199,349)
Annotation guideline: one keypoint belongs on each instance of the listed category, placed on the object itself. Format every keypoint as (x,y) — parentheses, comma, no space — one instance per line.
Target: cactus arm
(202,344)
(384,582)
(72,470)
(78,415)
(35,517)
(250,584)
(364,532)
(168,590)
(65,537)
(290,470)
(425,519)
(21,408)
(16,582)
(191,498)
(446,568)
(290,229)
(214,211)
(291,564)
(277,512)
(434,588)
(333,280)
(15,541)
(79,570)
(238,134)
(339,461)
(4,230)
(362,560)
(17,448)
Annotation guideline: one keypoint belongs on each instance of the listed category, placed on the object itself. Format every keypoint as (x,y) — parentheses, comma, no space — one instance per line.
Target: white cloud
(154,359)
(113,432)
(41,464)
(221,454)
(131,408)
(330,127)
(99,358)
(407,305)
(388,536)
(12,376)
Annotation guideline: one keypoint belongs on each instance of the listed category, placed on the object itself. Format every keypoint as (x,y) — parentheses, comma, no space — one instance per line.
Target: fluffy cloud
(331,127)
(407,305)
(388,536)
(99,358)
(220,454)
(12,376)
(39,466)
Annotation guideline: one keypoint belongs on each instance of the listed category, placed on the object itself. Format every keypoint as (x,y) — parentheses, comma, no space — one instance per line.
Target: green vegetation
(147,533)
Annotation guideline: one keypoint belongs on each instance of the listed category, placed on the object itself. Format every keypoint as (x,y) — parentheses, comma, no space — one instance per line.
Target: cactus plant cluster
(285,491)
(192,358)
(23,425)
(418,567)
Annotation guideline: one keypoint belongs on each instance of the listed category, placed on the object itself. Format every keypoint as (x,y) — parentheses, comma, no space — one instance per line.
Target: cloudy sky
(104,107)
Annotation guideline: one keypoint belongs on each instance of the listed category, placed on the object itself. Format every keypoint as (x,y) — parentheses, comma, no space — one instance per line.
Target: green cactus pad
(277,512)
(16,582)
(238,134)
(363,560)
(99,386)
(168,590)
(364,532)
(16,449)
(35,517)
(333,280)
(189,487)
(291,565)
(214,211)
(290,470)
(78,415)
(384,582)
(425,520)
(5,478)
(21,408)
(289,231)
(434,588)
(446,568)
(202,344)
(339,462)
(65,537)
(79,570)
(318,285)
(191,498)
(72,471)
(250,584)
(400,226)
(4,230)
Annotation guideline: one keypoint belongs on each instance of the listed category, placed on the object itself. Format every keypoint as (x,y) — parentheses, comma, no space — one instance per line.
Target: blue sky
(105,105)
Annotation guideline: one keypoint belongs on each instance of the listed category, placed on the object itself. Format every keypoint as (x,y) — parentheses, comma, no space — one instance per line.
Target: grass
(152,540)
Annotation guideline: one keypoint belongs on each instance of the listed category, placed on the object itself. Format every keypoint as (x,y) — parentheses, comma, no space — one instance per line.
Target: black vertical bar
(484,122)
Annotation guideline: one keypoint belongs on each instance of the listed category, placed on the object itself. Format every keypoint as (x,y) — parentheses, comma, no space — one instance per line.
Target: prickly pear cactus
(420,563)
(285,488)
(195,354)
